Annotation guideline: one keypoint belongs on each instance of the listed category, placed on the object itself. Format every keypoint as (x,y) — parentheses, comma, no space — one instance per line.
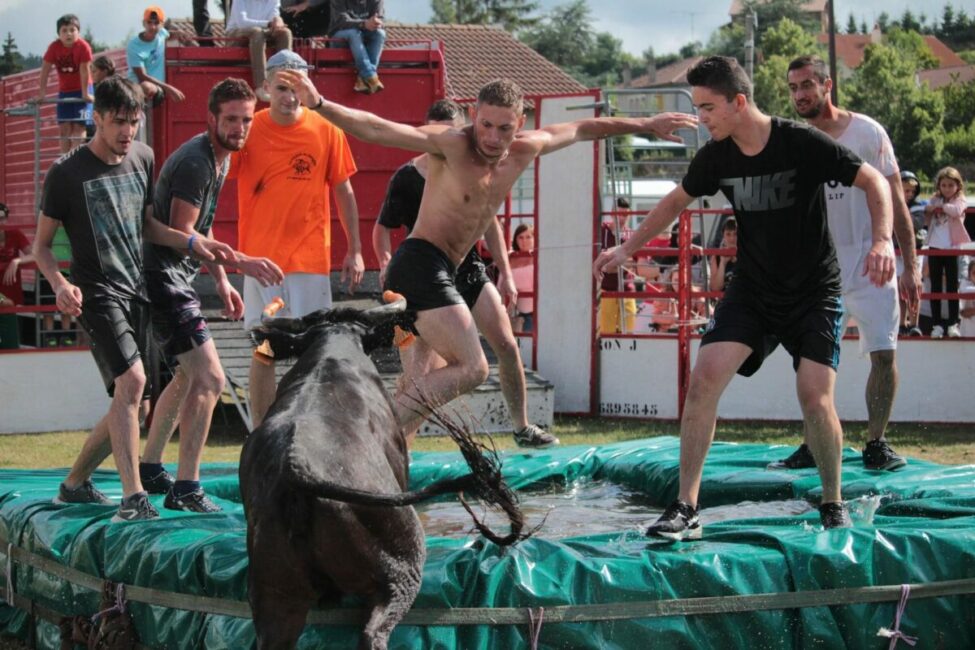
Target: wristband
(189,244)
(321,100)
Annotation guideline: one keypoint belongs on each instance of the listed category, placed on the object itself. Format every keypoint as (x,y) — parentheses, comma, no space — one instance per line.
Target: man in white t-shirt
(875,308)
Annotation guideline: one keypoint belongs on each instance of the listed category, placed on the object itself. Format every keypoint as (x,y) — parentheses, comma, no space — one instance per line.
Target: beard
(811,111)
(230,145)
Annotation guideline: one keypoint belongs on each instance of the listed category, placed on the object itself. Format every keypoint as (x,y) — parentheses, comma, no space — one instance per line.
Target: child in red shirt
(71,55)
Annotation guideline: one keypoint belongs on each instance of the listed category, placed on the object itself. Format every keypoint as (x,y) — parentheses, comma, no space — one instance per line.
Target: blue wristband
(189,244)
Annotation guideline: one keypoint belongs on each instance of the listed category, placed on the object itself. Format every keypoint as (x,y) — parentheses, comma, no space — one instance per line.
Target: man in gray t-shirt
(186,199)
(101,192)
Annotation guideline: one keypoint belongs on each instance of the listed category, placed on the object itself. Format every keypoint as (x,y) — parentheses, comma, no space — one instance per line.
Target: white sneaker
(953,332)
(937,332)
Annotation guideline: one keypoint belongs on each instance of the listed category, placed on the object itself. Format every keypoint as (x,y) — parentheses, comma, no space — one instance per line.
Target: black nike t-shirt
(785,252)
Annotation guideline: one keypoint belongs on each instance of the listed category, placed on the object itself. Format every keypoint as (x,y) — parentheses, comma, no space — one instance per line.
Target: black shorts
(177,320)
(809,329)
(424,275)
(119,333)
(471,278)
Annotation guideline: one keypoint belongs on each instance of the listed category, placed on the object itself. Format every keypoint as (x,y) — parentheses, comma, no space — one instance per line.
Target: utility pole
(751,23)
(834,93)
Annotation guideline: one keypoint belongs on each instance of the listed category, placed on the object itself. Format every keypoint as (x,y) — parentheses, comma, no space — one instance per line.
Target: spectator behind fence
(360,22)
(523,271)
(610,321)
(14,251)
(306,18)
(722,267)
(911,187)
(259,21)
(70,55)
(146,58)
(967,311)
(944,217)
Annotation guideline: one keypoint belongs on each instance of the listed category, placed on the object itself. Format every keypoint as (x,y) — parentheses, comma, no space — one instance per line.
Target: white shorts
(877,316)
(302,293)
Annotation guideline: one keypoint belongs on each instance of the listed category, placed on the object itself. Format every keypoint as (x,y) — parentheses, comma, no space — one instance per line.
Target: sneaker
(84,493)
(878,455)
(679,521)
(195,501)
(954,332)
(135,508)
(915,331)
(158,484)
(801,458)
(533,436)
(937,332)
(834,515)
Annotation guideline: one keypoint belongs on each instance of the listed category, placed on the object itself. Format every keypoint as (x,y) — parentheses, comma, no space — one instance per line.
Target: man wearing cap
(284,172)
(260,22)
(146,58)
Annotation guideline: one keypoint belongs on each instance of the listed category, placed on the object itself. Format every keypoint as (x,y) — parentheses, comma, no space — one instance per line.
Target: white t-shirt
(849,217)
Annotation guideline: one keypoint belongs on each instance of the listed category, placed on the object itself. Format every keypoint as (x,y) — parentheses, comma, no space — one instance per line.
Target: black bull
(324,482)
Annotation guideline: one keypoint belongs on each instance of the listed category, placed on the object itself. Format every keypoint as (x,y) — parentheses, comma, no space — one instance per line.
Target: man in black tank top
(787,284)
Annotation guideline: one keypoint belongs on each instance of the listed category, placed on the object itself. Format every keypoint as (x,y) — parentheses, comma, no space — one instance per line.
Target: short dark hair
(623,203)
(820,69)
(116,94)
(723,75)
(6,211)
(68,19)
(104,63)
(502,92)
(729,224)
(514,237)
(228,90)
(444,110)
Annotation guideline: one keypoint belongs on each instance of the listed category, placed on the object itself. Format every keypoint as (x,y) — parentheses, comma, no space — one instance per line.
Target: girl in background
(522,263)
(944,217)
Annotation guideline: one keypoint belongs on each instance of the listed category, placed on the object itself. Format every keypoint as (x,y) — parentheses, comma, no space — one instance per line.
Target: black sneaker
(801,458)
(158,484)
(834,515)
(533,436)
(84,493)
(878,455)
(195,501)
(679,521)
(135,508)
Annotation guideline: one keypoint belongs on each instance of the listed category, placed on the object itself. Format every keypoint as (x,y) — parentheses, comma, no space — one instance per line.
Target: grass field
(949,444)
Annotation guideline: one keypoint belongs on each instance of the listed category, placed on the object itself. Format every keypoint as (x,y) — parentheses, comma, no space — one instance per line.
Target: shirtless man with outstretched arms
(471,170)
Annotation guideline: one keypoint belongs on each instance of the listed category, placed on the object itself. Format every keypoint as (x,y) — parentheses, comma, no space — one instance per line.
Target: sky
(638,23)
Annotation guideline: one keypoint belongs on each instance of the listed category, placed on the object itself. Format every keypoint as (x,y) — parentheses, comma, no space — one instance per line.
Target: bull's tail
(488,482)
(329,490)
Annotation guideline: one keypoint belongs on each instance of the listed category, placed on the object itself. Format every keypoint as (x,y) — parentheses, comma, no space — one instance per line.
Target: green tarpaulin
(923,532)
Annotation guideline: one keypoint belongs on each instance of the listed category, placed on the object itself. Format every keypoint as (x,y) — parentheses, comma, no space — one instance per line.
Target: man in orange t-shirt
(284,172)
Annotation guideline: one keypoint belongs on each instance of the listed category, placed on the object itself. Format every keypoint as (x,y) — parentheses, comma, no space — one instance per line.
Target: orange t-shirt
(283,177)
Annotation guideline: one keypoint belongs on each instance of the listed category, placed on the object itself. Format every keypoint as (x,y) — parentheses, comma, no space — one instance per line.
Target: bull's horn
(395,304)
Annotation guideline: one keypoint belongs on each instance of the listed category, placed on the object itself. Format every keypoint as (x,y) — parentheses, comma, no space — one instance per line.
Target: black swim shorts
(177,320)
(424,275)
(809,329)
(119,332)
(471,278)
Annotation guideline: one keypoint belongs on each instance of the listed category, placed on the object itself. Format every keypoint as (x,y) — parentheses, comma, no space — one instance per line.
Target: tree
(884,88)
(10,60)
(851,24)
(565,36)
(959,101)
(883,22)
(780,45)
(96,46)
(908,22)
(513,15)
